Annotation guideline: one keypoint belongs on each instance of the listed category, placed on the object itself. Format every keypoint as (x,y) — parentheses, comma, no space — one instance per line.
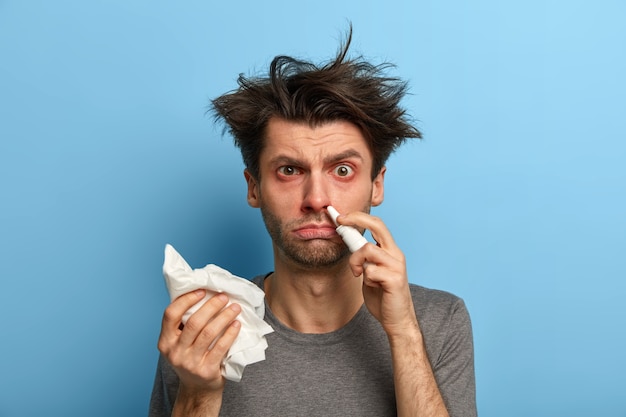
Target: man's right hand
(187,349)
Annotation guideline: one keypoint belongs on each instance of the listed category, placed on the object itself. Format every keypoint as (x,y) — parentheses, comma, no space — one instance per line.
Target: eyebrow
(329,160)
(348,154)
(285,160)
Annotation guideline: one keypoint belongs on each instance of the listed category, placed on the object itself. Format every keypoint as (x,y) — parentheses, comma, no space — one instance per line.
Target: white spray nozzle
(333,214)
(351,237)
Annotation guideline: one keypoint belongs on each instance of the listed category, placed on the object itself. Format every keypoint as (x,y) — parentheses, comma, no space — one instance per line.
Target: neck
(314,301)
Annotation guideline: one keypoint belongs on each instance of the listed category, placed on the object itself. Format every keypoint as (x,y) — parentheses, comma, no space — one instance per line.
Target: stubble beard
(317,253)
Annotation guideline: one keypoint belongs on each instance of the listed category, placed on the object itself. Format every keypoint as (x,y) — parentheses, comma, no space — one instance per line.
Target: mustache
(320,217)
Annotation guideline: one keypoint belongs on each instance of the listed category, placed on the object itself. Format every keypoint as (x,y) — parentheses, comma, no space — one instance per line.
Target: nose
(316,196)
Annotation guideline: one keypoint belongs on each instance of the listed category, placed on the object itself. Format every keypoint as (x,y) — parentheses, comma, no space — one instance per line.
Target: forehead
(298,139)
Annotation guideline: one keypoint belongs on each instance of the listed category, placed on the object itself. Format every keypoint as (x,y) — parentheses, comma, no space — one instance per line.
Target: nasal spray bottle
(351,237)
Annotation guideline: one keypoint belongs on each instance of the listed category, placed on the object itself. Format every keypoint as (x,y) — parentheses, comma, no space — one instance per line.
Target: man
(352,336)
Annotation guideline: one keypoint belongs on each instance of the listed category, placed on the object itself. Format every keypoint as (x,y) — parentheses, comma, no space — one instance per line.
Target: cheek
(355,197)
(278,195)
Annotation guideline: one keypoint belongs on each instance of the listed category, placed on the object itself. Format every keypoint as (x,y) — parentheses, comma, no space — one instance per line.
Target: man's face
(303,170)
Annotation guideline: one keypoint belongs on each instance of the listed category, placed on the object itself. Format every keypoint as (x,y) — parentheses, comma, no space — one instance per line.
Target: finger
(224,342)
(375,276)
(360,260)
(198,320)
(375,225)
(215,329)
(375,263)
(173,315)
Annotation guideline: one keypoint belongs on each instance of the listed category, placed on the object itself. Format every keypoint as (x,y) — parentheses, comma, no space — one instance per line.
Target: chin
(315,256)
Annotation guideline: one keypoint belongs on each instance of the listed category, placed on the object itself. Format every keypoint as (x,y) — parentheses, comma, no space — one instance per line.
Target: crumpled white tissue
(249,346)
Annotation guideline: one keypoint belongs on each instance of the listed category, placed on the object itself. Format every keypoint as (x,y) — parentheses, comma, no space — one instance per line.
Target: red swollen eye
(288,170)
(343,170)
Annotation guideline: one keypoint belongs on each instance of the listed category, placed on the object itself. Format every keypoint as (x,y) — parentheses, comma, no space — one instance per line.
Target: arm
(417,392)
(187,350)
(388,297)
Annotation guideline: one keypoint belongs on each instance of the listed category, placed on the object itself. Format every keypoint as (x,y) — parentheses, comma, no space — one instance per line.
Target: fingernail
(223,297)
(199,293)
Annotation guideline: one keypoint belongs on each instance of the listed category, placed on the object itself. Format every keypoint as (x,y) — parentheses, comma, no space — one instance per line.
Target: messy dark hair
(345,89)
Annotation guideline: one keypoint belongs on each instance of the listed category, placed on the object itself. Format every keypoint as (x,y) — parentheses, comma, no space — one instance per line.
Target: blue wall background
(515,200)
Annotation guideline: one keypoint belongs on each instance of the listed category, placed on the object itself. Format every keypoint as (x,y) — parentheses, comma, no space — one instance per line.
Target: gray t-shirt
(344,373)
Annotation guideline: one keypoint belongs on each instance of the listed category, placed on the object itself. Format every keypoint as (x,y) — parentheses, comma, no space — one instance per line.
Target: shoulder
(433,298)
(438,311)
(260,279)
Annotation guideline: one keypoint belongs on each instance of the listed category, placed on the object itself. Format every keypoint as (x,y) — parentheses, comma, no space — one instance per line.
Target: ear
(378,188)
(253,189)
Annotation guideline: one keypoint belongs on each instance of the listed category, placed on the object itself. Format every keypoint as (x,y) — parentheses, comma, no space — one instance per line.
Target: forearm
(417,393)
(193,404)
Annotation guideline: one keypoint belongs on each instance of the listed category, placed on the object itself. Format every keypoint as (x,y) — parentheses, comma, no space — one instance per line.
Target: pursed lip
(316,231)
